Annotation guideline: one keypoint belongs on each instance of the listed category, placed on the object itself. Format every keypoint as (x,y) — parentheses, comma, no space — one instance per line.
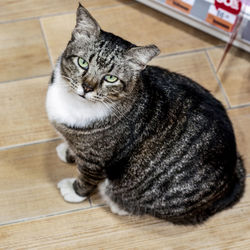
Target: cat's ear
(86,25)
(142,55)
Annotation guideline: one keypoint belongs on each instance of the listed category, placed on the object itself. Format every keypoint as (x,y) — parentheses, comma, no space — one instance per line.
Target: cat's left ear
(86,25)
(143,54)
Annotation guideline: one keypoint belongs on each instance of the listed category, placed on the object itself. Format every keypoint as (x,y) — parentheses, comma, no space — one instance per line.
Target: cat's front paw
(68,192)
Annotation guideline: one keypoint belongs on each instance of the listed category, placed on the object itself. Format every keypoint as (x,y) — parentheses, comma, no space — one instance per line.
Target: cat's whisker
(113,107)
(62,83)
(68,78)
(72,86)
(98,99)
(71,80)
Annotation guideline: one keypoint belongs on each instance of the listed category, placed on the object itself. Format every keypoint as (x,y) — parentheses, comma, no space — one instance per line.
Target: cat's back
(181,95)
(191,113)
(174,85)
(187,168)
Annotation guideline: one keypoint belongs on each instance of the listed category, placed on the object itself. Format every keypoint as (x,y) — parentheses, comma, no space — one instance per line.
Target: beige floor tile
(137,23)
(234,74)
(14,9)
(97,228)
(23,118)
(241,122)
(22,51)
(29,174)
(57,31)
(96,199)
(195,66)
(28,182)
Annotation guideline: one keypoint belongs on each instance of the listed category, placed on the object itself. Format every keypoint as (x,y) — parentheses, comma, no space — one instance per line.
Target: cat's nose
(87,88)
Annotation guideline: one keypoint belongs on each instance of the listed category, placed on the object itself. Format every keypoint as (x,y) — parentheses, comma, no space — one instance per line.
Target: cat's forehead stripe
(91,57)
(105,55)
(111,68)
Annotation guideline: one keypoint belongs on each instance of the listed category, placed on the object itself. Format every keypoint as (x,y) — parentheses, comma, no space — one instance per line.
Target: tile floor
(33,215)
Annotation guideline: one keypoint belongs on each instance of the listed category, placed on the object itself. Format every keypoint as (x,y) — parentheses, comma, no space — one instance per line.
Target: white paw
(116,210)
(68,192)
(61,151)
(112,205)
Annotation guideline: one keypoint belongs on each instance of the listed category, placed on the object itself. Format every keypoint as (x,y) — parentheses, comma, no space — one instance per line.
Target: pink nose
(87,88)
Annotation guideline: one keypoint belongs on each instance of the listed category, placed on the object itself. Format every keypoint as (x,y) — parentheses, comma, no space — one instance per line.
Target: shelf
(196,17)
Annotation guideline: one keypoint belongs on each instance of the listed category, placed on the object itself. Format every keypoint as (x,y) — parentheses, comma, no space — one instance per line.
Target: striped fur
(167,148)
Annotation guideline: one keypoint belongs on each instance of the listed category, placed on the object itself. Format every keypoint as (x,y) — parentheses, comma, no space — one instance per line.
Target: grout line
(159,57)
(25,78)
(62,13)
(37,17)
(111,6)
(188,52)
(239,106)
(46,43)
(12,222)
(45,216)
(99,205)
(59,213)
(29,143)
(218,81)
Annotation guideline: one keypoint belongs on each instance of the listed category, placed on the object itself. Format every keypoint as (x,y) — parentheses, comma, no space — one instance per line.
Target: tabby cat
(155,142)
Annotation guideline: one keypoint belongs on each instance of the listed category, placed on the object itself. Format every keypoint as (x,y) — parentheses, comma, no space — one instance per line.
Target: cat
(153,141)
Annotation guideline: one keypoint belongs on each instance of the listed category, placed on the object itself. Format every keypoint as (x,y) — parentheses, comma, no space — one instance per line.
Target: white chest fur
(64,106)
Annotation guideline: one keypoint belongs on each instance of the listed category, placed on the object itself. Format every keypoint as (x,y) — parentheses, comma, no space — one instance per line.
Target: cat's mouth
(83,96)
(87,98)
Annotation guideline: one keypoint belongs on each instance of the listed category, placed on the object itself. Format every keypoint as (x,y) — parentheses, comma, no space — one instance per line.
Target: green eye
(82,63)
(110,78)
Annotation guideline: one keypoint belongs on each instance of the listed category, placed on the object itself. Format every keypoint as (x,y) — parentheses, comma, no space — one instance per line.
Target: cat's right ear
(86,25)
(141,55)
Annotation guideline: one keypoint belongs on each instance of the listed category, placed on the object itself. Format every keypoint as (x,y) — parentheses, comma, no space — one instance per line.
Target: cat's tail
(236,189)
(240,175)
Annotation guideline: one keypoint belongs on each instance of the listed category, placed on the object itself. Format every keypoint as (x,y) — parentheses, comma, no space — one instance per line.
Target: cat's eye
(83,64)
(110,78)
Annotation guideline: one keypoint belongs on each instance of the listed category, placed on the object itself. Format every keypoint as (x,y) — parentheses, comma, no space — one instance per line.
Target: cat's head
(100,66)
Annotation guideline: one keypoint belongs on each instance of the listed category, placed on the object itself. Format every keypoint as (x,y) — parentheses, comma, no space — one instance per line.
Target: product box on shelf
(216,17)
